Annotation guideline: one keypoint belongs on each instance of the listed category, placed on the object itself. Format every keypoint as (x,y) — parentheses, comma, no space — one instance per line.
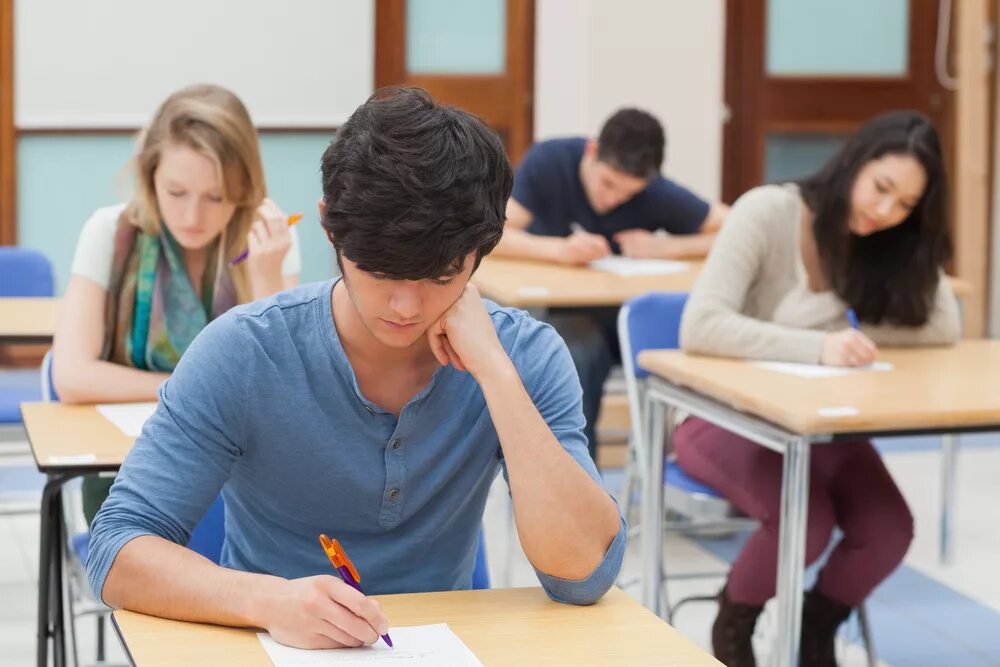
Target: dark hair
(632,141)
(411,187)
(891,275)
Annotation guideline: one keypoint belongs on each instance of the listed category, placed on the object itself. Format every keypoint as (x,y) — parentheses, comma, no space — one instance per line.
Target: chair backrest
(481,571)
(24,272)
(209,534)
(650,321)
(48,388)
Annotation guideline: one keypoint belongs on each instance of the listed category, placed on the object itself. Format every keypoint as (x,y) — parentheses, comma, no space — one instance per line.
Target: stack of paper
(129,417)
(415,646)
(627,266)
(819,371)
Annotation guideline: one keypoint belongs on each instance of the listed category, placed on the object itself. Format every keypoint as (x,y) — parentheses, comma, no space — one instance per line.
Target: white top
(753,300)
(96,245)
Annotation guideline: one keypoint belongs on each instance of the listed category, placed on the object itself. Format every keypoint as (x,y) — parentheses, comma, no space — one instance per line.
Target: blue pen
(852,317)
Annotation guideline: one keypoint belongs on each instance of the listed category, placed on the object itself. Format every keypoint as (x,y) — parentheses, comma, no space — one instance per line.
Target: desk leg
(47,542)
(791,550)
(652,509)
(949,459)
(58,592)
(50,565)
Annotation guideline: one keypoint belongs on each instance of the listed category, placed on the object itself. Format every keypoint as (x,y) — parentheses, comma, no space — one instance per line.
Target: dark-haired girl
(868,233)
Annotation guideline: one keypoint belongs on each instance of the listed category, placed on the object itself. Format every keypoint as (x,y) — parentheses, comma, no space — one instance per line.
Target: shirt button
(396,444)
(394,493)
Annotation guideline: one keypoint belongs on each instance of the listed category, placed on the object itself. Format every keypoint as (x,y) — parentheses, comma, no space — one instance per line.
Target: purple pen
(292,219)
(344,566)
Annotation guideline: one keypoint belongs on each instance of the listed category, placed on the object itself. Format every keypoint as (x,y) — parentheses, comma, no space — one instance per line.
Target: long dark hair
(890,276)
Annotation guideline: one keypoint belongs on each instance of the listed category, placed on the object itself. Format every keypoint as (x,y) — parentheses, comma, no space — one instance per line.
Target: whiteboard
(109,63)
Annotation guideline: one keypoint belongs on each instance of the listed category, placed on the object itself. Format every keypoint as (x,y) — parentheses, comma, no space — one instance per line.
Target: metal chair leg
(866,635)
(71,622)
(100,638)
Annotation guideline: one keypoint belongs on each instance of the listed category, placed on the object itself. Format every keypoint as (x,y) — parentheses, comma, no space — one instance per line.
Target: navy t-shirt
(547,183)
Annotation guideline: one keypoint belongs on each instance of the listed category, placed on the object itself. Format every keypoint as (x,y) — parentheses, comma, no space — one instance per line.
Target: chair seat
(80,544)
(11,397)
(673,475)
(690,498)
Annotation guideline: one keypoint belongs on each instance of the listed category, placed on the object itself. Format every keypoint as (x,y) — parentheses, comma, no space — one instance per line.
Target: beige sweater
(752,299)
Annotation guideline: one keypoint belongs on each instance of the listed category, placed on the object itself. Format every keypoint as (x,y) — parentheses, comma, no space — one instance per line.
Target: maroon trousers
(849,487)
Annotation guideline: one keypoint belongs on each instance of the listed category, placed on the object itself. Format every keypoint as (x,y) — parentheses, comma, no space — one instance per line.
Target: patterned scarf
(153,312)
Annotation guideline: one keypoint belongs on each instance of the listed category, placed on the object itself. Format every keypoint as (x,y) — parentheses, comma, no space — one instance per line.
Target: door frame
(8,134)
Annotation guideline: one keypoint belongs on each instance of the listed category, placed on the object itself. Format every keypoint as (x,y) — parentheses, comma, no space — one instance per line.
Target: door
(800,74)
(474,54)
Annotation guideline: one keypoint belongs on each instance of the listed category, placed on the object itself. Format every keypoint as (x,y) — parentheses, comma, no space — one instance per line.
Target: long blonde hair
(212,121)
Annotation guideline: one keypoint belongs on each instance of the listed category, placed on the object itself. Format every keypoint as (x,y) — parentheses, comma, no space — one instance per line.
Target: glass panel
(789,156)
(448,37)
(846,37)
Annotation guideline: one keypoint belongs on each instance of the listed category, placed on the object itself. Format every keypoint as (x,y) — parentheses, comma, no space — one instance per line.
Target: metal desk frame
(663,398)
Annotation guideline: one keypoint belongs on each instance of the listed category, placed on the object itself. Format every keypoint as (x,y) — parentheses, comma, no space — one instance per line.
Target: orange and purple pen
(343,565)
(292,219)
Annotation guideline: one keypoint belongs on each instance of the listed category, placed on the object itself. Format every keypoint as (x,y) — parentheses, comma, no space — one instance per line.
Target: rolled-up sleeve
(592,588)
(185,452)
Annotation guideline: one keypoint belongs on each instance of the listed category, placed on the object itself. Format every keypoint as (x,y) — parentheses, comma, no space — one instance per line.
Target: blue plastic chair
(652,321)
(23,273)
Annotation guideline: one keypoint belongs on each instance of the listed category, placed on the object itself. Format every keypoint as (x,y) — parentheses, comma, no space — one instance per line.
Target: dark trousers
(849,487)
(592,338)
(95,490)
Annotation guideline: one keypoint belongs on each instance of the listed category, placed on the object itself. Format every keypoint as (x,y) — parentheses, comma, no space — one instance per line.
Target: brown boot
(732,632)
(821,617)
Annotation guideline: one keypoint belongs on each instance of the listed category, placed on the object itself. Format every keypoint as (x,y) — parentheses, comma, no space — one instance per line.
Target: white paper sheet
(129,417)
(414,646)
(819,371)
(839,411)
(627,266)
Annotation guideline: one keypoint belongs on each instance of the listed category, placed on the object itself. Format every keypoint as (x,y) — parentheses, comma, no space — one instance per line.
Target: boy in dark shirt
(576,200)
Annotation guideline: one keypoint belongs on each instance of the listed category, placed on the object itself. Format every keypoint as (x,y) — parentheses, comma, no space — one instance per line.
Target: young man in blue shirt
(377,409)
(576,200)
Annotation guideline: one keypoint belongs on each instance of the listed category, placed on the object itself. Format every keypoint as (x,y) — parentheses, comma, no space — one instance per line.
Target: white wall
(665,56)
(102,63)
(311,62)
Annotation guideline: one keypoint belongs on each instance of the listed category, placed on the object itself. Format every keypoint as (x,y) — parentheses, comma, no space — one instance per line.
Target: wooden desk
(73,435)
(67,441)
(527,284)
(930,390)
(27,320)
(514,626)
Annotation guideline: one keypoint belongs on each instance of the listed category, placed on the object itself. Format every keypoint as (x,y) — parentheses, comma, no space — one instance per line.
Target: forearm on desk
(96,381)
(519,244)
(688,246)
(152,575)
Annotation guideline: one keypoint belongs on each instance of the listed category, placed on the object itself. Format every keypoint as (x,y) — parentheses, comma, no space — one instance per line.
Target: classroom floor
(924,615)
